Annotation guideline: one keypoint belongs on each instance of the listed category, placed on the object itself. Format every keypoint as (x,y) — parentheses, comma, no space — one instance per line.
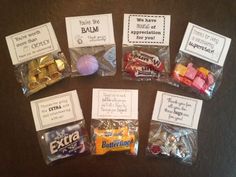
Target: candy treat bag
(199,63)
(60,126)
(146,47)
(173,129)
(91,45)
(114,125)
(37,58)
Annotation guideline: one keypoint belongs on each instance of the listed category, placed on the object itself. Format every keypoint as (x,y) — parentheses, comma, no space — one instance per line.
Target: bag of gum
(60,126)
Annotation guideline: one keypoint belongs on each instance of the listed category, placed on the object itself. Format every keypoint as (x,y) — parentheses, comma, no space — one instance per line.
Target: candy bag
(173,130)
(199,63)
(37,58)
(114,125)
(91,45)
(60,126)
(146,47)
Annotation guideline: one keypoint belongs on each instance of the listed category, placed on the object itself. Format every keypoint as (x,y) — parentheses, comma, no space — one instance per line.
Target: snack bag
(37,58)
(173,130)
(114,125)
(200,61)
(146,53)
(91,45)
(60,126)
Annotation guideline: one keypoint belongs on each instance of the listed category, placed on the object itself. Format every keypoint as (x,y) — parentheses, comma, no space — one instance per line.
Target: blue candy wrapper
(62,142)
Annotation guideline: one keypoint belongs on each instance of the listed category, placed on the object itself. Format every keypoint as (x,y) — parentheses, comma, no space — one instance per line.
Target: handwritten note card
(32,43)
(56,110)
(115,104)
(177,110)
(92,30)
(146,29)
(205,44)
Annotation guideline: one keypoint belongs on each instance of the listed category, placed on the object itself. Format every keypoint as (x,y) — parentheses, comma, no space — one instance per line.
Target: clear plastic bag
(145,63)
(100,60)
(114,135)
(41,72)
(197,75)
(169,141)
(64,141)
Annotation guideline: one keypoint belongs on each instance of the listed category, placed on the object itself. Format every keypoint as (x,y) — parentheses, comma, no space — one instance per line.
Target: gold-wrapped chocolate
(60,65)
(33,67)
(45,61)
(53,71)
(43,75)
(32,82)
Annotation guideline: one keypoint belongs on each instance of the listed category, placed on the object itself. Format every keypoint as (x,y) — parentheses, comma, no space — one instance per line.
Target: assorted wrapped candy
(166,140)
(173,129)
(139,64)
(91,45)
(114,125)
(60,126)
(146,47)
(199,63)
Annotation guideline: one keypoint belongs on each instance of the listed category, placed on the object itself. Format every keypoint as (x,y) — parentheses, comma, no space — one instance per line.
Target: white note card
(115,104)
(56,110)
(177,110)
(146,29)
(205,44)
(92,30)
(32,43)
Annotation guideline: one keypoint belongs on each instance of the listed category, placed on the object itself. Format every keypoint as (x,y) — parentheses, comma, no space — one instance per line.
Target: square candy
(187,81)
(198,83)
(191,73)
(180,69)
(203,71)
(210,79)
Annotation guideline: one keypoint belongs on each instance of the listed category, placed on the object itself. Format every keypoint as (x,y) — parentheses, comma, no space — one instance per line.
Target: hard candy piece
(210,79)
(187,81)
(198,83)
(191,73)
(180,69)
(87,65)
(110,56)
(203,71)
(155,149)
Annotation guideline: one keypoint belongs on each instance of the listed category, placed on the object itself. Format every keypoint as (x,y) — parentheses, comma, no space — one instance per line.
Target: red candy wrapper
(140,63)
(146,47)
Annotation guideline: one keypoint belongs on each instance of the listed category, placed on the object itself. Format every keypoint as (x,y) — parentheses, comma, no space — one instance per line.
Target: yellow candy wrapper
(114,140)
(114,135)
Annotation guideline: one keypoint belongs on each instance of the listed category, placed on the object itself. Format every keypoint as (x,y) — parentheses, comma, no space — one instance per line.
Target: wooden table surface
(20,152)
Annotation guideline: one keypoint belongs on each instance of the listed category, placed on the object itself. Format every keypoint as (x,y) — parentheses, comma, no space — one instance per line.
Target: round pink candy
(87,65)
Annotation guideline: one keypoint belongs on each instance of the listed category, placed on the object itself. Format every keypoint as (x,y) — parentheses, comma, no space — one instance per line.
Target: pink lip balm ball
(87,65)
